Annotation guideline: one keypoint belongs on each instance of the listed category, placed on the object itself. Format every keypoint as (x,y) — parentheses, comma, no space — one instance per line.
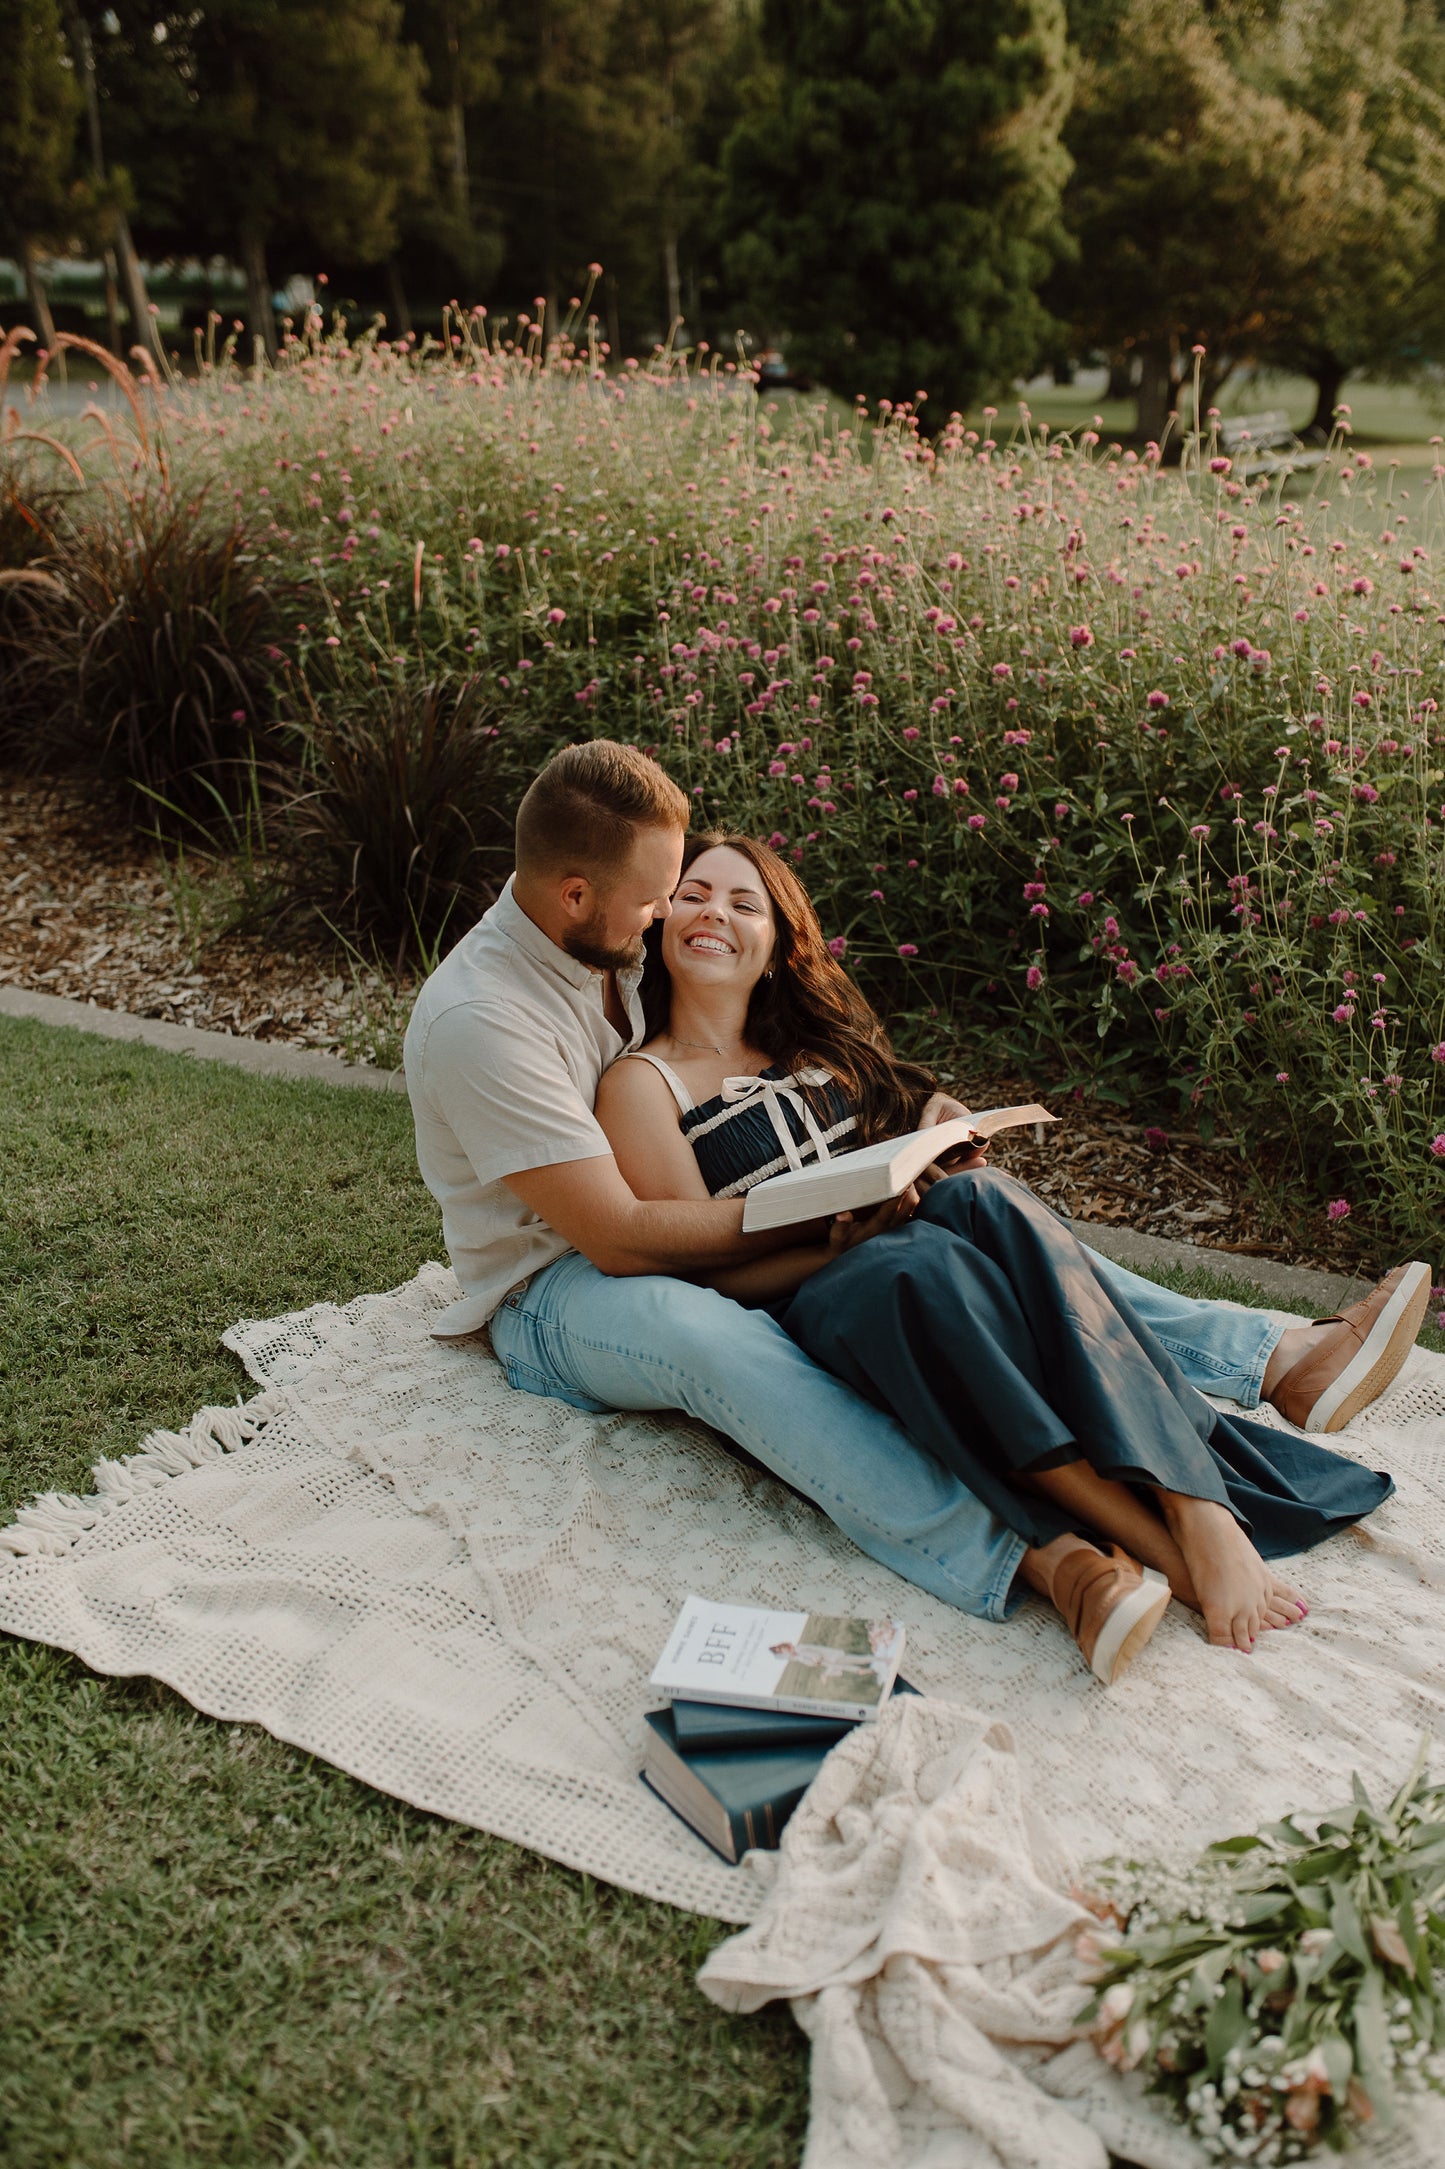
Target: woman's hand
(848,1230)
(942,1108)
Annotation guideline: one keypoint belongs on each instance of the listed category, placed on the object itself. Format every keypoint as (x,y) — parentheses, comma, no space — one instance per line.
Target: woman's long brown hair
(808,1011)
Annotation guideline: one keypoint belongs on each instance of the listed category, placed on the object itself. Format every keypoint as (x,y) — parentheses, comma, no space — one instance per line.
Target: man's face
(610,937)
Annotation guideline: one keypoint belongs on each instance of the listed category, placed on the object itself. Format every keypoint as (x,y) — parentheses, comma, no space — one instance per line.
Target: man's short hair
(582,812)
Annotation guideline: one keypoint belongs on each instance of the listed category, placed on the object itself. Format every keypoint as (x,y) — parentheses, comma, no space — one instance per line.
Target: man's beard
(587,945)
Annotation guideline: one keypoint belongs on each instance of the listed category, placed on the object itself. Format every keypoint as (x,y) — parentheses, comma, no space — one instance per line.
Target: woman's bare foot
(1232,1586)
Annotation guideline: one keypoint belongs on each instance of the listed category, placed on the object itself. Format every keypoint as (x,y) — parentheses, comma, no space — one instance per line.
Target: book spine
(796,1705)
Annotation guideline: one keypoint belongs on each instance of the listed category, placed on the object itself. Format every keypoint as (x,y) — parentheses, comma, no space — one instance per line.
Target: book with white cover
(852,1181)
(812,1662)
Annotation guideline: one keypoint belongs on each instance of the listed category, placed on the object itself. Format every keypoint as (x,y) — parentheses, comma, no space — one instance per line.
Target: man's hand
(848,1230)
(942,1108)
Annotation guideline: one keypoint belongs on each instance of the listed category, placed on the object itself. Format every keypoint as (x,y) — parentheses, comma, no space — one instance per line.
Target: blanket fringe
(54,1520)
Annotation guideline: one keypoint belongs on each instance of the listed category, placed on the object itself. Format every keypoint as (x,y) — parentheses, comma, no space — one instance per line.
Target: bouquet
(1284,1989)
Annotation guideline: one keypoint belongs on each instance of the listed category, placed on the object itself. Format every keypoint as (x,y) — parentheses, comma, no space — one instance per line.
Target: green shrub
(1026,714)
(398,827)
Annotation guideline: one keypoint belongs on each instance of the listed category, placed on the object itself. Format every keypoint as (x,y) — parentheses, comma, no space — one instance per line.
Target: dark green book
(733,1798)
(702,1725)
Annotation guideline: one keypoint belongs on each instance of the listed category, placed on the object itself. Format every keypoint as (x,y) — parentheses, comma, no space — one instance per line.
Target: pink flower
(908,948)
(1080,636)
(1220,466)
(776,840)
(504,549)
(1437,1052)
(1033,978)
(1003,670)
(838,946)
(1156,699)
(977,820)
(1338,1209)
(1343,1013)
(1437,1145)
(1157,1140)
(1201,831)
(555,617)
(1281,1076)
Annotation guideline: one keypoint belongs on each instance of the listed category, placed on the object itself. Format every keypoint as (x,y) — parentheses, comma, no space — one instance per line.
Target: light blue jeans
(574,1334)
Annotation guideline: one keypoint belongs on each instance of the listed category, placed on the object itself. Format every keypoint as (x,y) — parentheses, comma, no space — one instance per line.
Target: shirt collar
(508,917)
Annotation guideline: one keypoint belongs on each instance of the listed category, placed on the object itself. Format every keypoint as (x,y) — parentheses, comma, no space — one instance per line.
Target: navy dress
(986,1328)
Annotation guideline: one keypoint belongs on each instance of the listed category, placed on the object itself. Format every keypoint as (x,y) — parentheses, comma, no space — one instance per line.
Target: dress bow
(773,1091)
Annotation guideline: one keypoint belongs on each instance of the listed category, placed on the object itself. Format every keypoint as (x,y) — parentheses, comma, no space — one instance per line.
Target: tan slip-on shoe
(1359,1352)
(1110,1605)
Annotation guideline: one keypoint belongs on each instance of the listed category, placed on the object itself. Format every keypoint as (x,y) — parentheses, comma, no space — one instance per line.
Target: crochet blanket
(456,1592)
(918,1918)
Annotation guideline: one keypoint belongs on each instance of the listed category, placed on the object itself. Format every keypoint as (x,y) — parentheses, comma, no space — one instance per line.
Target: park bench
(1263,444)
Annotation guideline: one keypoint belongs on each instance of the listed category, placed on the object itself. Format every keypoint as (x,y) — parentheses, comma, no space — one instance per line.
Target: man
(584,1285)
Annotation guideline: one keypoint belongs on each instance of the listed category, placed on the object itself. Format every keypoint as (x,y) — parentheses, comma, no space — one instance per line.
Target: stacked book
(757,1700)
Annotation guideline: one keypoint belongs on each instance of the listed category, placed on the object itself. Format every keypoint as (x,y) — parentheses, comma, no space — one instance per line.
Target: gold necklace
(703,1046)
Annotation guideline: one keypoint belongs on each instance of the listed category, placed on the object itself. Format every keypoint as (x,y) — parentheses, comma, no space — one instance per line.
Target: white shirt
(504,1053)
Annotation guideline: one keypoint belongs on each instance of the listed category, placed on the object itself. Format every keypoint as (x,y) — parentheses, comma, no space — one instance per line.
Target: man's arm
(588,1203)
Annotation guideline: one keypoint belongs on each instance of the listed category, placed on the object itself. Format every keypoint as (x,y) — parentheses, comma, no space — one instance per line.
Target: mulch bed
(88,910)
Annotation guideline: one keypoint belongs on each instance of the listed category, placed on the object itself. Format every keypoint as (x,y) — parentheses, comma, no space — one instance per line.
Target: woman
(978,1319)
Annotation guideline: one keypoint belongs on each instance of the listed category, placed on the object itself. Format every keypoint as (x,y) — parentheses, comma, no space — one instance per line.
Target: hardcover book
(852,1181)
(698,1726)
(733,1799)
(807,1662)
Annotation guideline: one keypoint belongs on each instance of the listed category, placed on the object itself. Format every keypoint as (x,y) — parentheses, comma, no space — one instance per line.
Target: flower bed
(1135,768)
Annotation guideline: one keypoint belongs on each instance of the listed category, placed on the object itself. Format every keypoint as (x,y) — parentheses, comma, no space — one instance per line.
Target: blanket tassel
(54,1520)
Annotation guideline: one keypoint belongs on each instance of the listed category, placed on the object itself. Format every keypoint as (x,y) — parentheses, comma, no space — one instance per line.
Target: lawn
(214,1949)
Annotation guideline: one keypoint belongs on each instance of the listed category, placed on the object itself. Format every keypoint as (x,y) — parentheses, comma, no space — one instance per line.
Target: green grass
(214,1949)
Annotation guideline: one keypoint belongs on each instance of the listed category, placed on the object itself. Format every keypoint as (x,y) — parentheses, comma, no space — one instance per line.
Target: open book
(852,1181)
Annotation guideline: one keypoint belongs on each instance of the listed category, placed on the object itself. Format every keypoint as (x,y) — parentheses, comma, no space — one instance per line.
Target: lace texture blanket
(456,1592)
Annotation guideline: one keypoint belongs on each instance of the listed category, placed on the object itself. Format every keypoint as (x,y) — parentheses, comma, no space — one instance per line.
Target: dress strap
(678,1089)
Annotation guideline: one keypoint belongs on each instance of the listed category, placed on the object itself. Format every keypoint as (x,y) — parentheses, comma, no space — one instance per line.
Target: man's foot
(1233,1587)
(1110,1605)
(1348,1360)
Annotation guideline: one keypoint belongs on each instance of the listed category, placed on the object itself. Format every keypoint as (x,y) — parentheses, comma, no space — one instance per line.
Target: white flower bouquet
(1284,1989)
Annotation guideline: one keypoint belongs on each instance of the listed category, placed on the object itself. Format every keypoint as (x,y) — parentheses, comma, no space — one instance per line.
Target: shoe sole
(1380,1355)
(1129,1626)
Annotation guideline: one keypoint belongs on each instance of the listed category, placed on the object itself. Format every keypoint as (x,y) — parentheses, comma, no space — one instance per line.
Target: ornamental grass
(1127,771)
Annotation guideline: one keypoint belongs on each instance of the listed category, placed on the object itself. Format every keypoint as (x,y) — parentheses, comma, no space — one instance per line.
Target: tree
(461,43)
(38,118)
(895,197)
(289,120)
(1193,201)
(1359,69)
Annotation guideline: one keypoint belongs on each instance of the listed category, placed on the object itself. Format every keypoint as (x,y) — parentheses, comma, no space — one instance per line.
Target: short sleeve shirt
(504,1053)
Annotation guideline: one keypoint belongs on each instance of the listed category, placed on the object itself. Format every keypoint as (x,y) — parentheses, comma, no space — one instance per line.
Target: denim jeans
(650,1342)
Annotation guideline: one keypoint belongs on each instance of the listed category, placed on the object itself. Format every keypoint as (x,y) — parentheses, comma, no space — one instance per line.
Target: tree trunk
(260,316)
(1121,377)
(396,296)
(671,280)
(112,303)
(132,280)
(1329,377)
(133,285)
(36,295)
(1156,392)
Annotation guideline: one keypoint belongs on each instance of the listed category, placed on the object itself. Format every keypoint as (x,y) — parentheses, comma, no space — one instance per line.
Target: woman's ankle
(1041,1562)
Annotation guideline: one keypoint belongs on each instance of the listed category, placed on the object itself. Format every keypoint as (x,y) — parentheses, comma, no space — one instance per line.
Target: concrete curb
(263,1058)
(1291,1287)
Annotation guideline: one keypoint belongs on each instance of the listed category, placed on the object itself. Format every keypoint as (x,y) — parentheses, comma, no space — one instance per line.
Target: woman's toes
(1285,1593)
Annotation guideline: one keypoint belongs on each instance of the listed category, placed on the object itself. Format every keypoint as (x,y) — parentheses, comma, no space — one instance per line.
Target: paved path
(1291,1287)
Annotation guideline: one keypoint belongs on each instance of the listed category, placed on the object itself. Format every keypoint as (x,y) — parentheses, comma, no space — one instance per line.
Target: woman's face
(721,929)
